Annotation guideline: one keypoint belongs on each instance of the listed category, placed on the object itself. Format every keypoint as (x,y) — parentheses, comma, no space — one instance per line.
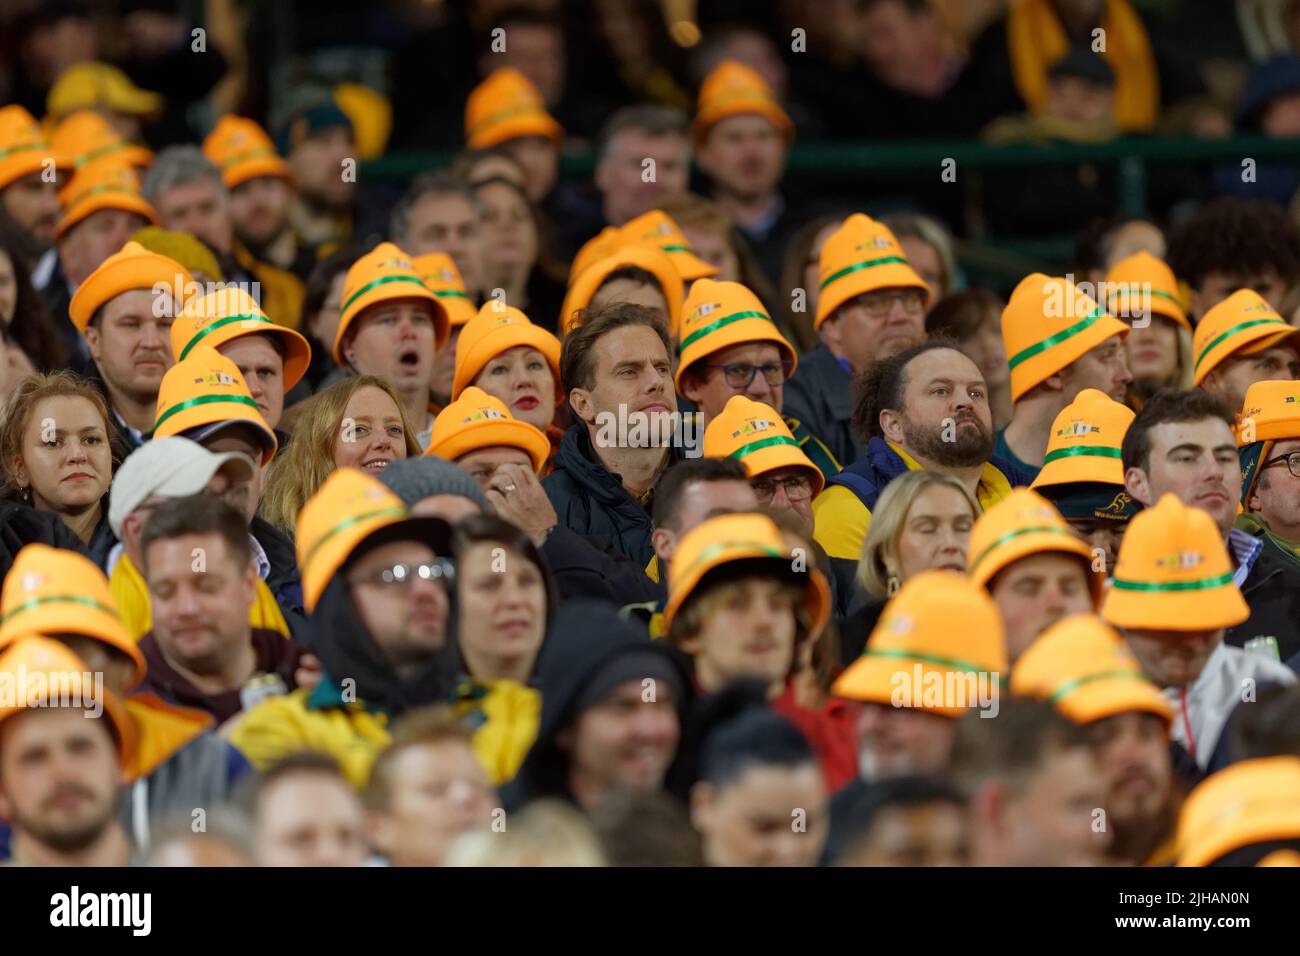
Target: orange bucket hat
(1047,324)
(103,184)
(656,228)
(755,434)
(1253,801)
(206,388)
(738,537)
(595,248)
(733,89)
(56,591)
(1141,284)
(1021,524)
(1173,573)
(506,106)
(23,149)
(442,278)
(345,510)
(1243,323)
(722,314)
(242,151)
(587,283)
(916,636)
(1085,441)
(1270,413)
(495,329)
(131,267)
(64,673)
(1084,667)
(85,136)
(862,255)
(479,420)
(218,317)
(383,274)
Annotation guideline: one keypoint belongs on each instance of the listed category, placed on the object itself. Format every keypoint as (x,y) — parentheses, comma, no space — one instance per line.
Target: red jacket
(830,731)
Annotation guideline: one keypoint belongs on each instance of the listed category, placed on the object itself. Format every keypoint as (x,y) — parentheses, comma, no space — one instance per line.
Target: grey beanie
(414,479)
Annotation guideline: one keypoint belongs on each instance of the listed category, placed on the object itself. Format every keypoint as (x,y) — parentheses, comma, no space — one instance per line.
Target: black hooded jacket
(284,580)
(21,525)
(586,636)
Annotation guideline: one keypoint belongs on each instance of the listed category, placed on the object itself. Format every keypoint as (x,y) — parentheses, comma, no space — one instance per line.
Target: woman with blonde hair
(355,423)
(921,522)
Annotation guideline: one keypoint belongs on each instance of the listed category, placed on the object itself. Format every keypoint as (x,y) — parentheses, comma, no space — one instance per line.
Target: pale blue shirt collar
(1245,549)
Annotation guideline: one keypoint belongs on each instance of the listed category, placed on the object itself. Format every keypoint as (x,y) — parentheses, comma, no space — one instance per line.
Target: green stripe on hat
(686,249)
(1240,327)
(1092,451)
(906,655)
(262,152)
(102,188)
(450,294)
(390,511)
(219,324)
(21,148)
(858,266)
(1070,686)
(1054,340)
(77,599)
(725,320)
(998,542)
(375,283)
(505,114)
(205,400)
(753,446)
(1199,585)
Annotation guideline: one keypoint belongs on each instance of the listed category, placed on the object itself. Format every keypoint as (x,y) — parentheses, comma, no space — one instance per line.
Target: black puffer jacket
(21,525)
(284,580)
(820,396)
(1272,589)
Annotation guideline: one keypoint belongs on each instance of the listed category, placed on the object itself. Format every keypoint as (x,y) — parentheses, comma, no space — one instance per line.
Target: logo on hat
(215,378)
(706,308)
(482,414)
(1258,307)
(753,425)
(394,264)
(901,624)
(875,242)
(1117,504)
(1181,561)
(32,580)
(1289,400)
(1077,428)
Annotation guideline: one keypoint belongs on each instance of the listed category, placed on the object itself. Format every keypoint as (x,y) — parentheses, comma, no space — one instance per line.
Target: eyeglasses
(402,575)
(741,374)
(880,304)
(1292,460)
(797,488)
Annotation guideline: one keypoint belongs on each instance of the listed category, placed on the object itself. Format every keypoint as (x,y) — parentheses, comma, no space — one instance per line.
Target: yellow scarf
(132,596)
(1036,40)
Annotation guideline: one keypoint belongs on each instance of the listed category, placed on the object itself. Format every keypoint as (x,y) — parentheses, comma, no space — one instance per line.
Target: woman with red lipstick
(57,454)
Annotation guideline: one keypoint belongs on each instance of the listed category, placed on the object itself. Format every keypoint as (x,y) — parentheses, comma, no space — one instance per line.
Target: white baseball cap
(168,467)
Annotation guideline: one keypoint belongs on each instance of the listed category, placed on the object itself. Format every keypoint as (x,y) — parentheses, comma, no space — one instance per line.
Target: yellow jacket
(132,596)
(320,719)
(161,729)
(505,715)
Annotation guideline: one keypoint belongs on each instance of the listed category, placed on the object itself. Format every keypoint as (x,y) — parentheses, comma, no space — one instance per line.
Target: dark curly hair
(1237,237)
(882,385)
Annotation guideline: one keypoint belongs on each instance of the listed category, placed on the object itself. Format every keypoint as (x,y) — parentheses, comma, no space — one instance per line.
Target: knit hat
(130,268)
(755,434)
(478,420)
(1047,324)
(722,314)
(1023,523)
(1270,413)
(731,538)
(1141,284)
(180,247)
(1086,669)
(916,636)
(1085,441)
(22,148)
(494,330)
(636,663)
(656,228)
(585,285)
(414,479)
(861,256)
(733,89)
(1242,324)
(1253,801)
(57,591)
(85,136)
(91,85)
(204,393)
(169,467)
(507,106)
(1173,573)
(226,314)
(442,278)
(381,275)
(103,184)
(242,150)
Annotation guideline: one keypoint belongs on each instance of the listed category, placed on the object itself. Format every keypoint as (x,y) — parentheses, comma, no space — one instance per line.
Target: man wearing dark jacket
(617,371)
(202,651)
(613,705)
